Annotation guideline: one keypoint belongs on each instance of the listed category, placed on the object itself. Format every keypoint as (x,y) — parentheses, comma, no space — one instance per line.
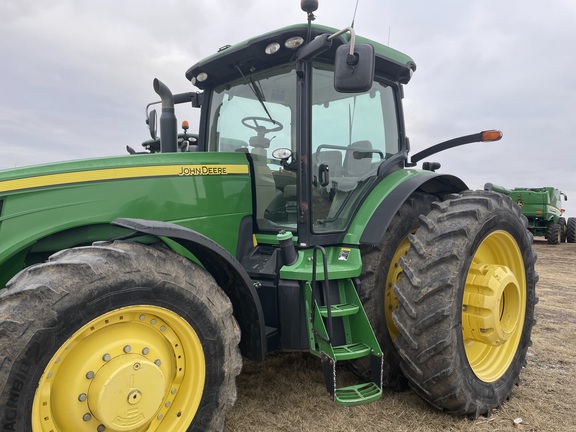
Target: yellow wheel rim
(393,276)
(138,368)
(493,306)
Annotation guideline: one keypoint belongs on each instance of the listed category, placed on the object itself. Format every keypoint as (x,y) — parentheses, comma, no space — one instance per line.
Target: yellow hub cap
(138,368)
(493,306)
(126,392)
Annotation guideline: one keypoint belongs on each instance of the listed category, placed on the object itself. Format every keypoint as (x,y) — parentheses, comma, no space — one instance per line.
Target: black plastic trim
(436,184)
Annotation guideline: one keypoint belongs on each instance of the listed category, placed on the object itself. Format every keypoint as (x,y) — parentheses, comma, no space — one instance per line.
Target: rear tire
(380,271)
(117,337)
(466,303)
(554,234)
(571,230)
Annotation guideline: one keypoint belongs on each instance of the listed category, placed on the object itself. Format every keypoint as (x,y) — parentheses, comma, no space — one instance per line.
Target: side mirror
(354,73)
(152,124)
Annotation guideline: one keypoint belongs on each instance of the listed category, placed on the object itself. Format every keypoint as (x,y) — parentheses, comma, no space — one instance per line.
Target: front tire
(116,337)
(466,303)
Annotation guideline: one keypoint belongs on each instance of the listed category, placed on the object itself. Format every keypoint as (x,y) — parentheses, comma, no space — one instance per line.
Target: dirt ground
(287,393)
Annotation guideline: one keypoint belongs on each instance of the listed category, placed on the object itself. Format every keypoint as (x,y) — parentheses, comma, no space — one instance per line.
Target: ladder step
(351,351)
(339,310)
(358,394)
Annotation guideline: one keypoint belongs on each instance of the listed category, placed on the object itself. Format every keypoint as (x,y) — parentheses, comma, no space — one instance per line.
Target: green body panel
(372,201)
(342,263)
(541,206)
(50,207)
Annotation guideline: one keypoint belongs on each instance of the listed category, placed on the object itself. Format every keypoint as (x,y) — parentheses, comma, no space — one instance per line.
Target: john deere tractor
(543,209)
(294,220)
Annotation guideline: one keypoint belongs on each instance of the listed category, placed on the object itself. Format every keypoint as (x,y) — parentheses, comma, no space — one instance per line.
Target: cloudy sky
(75,75)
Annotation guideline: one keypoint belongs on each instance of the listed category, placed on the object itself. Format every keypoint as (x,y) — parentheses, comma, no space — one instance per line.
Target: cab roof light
(272,48)
(294,42)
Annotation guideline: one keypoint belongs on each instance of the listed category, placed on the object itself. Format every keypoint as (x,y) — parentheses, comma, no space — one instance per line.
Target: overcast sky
(75,75)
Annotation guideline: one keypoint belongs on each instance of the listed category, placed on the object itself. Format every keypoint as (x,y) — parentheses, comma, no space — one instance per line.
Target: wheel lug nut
(90,375)
(157,362)
(101,428)
(86,417)
(127,349)
(145,351)
(82,397)
(106,357)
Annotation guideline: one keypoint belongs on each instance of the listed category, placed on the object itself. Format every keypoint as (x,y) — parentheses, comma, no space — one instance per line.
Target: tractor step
(351,351)
(339,329)
(339,310)
(358,394)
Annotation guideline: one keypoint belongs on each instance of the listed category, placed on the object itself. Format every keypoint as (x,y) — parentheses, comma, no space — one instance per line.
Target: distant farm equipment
(543,209)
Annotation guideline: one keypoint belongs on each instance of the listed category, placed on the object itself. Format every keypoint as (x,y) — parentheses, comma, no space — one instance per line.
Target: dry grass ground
(286,392)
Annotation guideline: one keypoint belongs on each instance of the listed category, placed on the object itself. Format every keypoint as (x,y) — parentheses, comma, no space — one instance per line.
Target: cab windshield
(351,135)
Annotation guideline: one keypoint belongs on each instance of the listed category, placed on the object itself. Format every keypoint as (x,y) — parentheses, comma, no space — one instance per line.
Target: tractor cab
(318,116)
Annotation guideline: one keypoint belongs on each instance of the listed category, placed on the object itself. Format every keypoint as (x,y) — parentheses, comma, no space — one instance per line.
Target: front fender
(226,270)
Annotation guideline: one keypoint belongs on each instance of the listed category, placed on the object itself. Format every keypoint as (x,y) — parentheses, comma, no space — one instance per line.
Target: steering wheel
(262,129)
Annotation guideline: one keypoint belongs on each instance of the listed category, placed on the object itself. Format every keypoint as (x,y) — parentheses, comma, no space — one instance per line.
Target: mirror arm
(352,37)
(147,110)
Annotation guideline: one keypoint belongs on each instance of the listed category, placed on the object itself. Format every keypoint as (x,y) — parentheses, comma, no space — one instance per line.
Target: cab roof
(249,56)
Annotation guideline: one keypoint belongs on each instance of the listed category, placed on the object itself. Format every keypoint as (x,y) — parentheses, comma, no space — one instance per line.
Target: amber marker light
(491,135)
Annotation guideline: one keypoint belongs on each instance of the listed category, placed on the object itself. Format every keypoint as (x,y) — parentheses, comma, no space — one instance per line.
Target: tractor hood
(51,207)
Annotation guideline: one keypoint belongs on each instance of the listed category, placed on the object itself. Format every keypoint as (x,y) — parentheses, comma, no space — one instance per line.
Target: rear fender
(432,183)
(226,270)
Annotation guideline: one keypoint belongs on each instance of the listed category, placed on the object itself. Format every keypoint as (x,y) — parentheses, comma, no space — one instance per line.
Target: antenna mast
(309,6)
(355,10)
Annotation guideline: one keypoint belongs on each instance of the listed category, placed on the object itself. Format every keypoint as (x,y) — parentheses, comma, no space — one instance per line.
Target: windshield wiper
(258,93)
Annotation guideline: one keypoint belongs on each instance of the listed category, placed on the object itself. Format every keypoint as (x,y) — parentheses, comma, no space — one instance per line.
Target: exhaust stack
(168,123)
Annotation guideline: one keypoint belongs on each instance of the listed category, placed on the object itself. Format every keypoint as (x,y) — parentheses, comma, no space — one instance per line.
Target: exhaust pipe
(168,122)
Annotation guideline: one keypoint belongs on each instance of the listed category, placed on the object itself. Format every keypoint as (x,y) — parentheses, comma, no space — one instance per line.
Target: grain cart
(295,220)
(543,209)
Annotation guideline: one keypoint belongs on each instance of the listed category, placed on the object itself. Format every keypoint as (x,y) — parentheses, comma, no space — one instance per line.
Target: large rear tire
(380,271)
(554,234)
(571,230)
(116,337)
(466,303)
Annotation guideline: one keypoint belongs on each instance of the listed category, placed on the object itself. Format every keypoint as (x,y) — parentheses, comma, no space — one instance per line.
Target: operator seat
(357,163)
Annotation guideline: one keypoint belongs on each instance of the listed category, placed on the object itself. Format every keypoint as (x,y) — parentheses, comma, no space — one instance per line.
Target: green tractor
(543,209)
(294,221)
